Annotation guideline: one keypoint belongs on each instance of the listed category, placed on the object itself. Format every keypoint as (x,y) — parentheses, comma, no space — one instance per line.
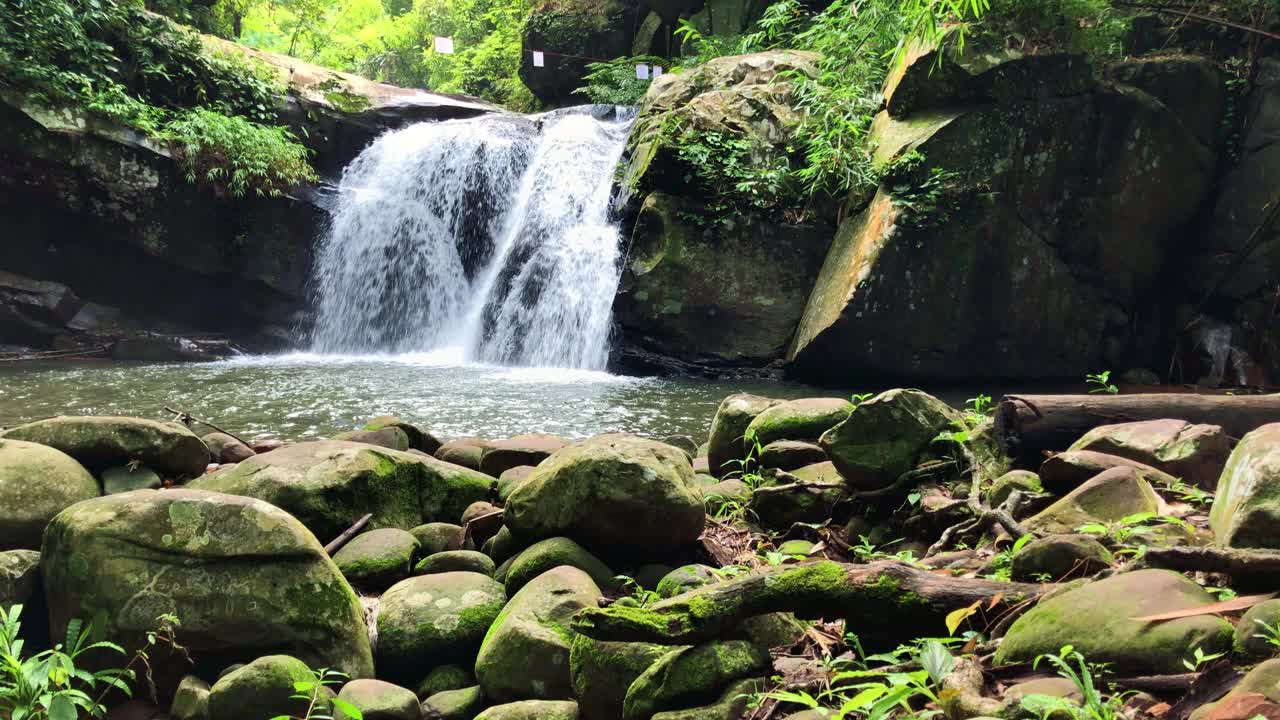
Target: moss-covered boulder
(36,483)
(805,419)
(512,479)
(525,655)
(263,688)
(443,678)
(1251,637)
(1098,620)
(602,671)
(102,442)
(465,451)
(550,553)
(462,704)
(456,561)
(1111,496)
(390,437)
(734,703)
(377,559)
(684,578)
(226,450)
(1060,557)
(616,492)
(124,479)
(791,454)
(886,436)
(378,700)
(528,449)
(434,619)
(692,676)
(419,439)
(330,484)
(243,577)
(1194,453)
(19,576)
(532,710)
(1006,484)
(778,507)
(190,700)
(726,445)
(1067,471)
(436,537)
(1247,506)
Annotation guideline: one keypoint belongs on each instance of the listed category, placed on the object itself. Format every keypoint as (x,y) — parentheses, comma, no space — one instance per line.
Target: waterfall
(489,236)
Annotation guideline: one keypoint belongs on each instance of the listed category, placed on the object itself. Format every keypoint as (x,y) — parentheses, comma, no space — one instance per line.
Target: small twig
(347,534)
(180,415)
(1202,18)
(903,482)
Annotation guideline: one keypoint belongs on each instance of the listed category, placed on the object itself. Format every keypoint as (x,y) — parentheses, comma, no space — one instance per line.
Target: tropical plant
(1200,657)
(321,704)
(1101,383)
(614,82)
(1138,526)
(636,594)
(235,156)
(1071,665)
(1269,634)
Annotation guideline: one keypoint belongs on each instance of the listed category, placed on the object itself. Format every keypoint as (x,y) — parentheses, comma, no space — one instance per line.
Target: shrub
(233,156)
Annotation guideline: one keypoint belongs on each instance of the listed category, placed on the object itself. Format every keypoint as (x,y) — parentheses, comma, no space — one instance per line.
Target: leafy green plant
(1269,633)
(1071,665)
(321,704)
(1130,528)
(236,156)
(1001,565)
(1101,383)
(637,595)
(1190,493)
(858,398)
(1199,658)
(748,468)
(614,82)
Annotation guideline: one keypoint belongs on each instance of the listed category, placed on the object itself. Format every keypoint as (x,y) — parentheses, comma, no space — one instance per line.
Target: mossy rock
(390,437)
(456,561)
(503,547)
(726,445)
(685,578)
(437,618)
(773,630)
(778,507)
(419,439)
(19,576)
(550,553)
(532,710)
(437,537)
(125,479)
(692,676)
(1111,496)
(262,689)
(462,704)
(1250,637)
(725,492)
(1060,557)
(823,473)
(36,483)
(243,576)
(805,419)
(886,436)
(1097,619)
(1263,679)
(465,452)
(191,700)
(616,492)
(732,704)
(443,678)
(1067,471)
(378,700)
(511,479)
(529,449)
(791,454)
(1194,453)
(377,559)
(525,655)
(1247,508)
(602,671)
(98,443)
(1024,480)
(330,484)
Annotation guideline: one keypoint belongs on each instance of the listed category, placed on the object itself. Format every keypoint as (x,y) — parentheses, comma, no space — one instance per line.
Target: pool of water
(300,396)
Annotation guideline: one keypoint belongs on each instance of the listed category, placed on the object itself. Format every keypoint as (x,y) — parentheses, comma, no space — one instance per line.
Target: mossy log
(890,596)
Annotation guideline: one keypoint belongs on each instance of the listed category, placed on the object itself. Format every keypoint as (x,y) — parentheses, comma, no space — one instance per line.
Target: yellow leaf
(955,617)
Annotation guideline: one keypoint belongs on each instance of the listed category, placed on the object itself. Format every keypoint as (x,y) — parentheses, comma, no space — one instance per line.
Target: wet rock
(102,442)
(1097,619)
(550,553)
(1246,510)
(791,455)
(532,710)
(886,436)
(1024,480)
(463,451)
(155,348)
(1110,496)
(225,450)
(390,437)
(728,428)
(1194,453)
(456,561)
(330,484)
(444,678)
(805,419)
(124,479)
(526,653)
(438,537)
(1067,471)
(503,546)
(529,449)
(266,445)
(262,689)
(1251,637)
(434,619)
(34,311)
(617,492)
(377,559)
(462,704)
(685,578)
(243,576)
(602,672)
(692,676)
(419,439)
(1060,557)
(191,700)
(378,700)
(823,473)
(778,507)
(36,483)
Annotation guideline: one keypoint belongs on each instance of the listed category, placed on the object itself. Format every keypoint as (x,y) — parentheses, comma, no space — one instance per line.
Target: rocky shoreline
(811,555)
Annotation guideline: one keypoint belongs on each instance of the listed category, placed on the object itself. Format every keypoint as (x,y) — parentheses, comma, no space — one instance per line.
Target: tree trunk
(892,598)
(1028,425)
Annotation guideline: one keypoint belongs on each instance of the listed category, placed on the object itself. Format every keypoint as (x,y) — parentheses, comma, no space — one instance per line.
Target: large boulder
(613,492)
(36,483)
(330,484)
(1068,470)
(1098,619)
(551,553)
(419,439)
(243,577)
(805,419)
(1110,497)
(378,700)
(532,710)
(982,165)
(692,676)
(263,688)
(225,450)
(1194,453)
(102,442)
(434,619)
(19,576)
(528,449)
(726,444)
(525,655)
(1247,506)
(602,671)
(885,436)
(377,559)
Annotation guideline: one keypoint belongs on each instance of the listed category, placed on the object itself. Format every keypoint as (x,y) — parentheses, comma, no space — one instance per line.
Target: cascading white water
(490,235)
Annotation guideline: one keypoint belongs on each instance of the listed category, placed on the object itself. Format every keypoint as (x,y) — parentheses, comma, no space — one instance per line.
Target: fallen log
(1249,569)
(893,598)
(1028,425)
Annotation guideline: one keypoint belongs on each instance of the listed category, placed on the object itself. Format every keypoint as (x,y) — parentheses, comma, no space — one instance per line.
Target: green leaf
(61,708)
(936,659)
(351,711)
